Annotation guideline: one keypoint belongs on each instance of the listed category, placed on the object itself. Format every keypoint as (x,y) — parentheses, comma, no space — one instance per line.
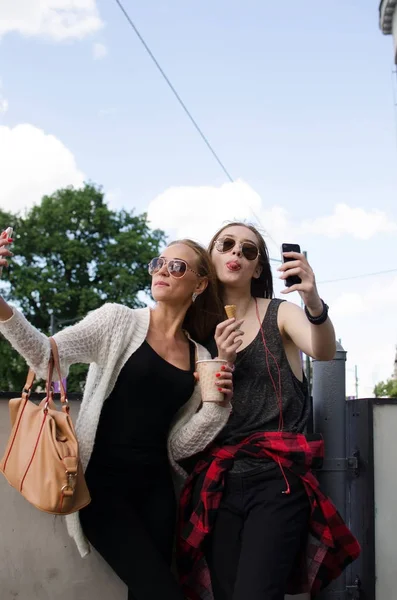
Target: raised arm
(314,339)
(84,342)
(317,341)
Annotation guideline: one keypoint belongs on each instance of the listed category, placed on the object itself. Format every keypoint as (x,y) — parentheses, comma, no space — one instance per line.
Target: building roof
(386,11)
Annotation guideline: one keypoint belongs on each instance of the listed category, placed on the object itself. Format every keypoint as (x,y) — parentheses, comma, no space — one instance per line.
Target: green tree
(73,254)
(386,389)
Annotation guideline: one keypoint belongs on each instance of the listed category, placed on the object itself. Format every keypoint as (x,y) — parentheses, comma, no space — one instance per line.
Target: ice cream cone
(230,310)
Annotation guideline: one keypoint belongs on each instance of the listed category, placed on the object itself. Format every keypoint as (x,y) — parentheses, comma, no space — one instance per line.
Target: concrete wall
(385,453)
(38,560)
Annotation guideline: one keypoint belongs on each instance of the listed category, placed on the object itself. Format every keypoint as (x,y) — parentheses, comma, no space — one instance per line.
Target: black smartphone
(293,279)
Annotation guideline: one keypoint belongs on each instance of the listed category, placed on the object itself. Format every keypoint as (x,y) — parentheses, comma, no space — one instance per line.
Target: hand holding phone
(292,279)
(9,232)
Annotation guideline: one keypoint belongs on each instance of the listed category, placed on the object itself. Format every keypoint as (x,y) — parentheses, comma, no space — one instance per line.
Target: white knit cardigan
(105,339)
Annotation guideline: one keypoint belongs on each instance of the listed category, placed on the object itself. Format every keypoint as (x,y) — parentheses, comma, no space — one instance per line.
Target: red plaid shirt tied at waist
(330,548)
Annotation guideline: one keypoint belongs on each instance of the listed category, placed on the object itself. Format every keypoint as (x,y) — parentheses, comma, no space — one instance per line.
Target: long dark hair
(206,312)
(263,286)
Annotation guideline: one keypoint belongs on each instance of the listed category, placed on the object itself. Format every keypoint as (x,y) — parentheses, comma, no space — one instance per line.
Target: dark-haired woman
(252,504)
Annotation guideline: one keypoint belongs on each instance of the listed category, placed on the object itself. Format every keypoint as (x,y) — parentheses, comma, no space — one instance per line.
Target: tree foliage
(386,389)
(73,254)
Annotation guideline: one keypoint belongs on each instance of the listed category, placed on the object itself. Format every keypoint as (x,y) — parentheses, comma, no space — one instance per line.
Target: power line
(184,107)
(359,276)
(177,96)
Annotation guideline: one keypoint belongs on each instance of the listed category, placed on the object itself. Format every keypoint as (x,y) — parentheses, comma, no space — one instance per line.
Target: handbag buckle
(71,480)
(71,483)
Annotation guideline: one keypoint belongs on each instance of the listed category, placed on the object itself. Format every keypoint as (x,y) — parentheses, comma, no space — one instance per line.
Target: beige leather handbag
(42,459)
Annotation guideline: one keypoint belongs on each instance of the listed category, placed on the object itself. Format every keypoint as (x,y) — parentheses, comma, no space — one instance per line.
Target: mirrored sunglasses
(249,250)
(176,267)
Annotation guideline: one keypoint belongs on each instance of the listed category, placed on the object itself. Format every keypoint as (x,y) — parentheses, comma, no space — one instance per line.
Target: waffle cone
(230,310)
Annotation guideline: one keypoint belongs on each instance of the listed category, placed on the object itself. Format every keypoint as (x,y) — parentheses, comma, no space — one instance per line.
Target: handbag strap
(54,361)
(29,382)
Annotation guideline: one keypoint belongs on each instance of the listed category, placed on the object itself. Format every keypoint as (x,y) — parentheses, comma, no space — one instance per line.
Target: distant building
(388,21)
(395,366)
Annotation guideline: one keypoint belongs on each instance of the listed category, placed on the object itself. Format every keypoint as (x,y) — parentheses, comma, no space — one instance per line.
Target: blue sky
(296,98)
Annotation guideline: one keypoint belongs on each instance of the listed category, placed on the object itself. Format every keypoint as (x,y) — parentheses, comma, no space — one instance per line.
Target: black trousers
(257,535)
(131,523)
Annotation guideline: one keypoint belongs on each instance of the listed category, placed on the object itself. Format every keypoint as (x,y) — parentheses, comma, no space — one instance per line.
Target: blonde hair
(206,312)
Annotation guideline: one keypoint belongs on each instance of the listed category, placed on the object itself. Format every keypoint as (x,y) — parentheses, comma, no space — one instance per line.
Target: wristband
(321,318)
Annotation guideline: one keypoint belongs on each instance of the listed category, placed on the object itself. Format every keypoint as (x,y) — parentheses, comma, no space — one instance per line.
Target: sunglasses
(249,250)
(176,267)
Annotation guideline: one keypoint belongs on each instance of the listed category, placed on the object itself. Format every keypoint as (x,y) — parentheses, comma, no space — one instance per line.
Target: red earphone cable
(276,391)
(267,353)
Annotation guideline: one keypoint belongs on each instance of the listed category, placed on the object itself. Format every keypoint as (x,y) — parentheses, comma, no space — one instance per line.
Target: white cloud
(369,325)
(3,101)
(55,19)
(349,304)
(347,220)
(33,163)
(99,51)
(374,360)
(374,363)
(114,199)
(3,105)
(184,211)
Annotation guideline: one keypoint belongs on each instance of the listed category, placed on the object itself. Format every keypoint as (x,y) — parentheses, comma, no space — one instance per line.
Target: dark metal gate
(347,475)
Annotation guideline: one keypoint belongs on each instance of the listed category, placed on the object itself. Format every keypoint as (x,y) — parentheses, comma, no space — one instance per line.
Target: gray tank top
(255,404)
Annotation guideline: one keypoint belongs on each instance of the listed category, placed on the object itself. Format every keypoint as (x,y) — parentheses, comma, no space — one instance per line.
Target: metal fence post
(329,415)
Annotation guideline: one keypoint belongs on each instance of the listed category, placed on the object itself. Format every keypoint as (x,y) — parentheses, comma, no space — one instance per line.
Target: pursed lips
(161,283)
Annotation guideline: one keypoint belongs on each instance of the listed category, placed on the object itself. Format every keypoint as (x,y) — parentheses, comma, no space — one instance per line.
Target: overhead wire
(172,88)
(185,108)
(362,276)
(387,271)
(215,154)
